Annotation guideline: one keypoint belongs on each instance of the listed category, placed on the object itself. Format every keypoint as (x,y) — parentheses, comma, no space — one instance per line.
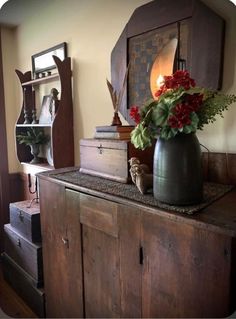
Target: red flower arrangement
(179,107)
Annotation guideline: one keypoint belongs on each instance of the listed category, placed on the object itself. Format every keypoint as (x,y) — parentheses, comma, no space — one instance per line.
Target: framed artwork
(43,61)
(143,46)
(45,116)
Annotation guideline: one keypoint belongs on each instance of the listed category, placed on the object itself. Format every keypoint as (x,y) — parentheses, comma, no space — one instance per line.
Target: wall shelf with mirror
(41,80)
(49,113)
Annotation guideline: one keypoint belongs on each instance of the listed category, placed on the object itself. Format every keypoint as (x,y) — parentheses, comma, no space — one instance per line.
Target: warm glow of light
(160,80)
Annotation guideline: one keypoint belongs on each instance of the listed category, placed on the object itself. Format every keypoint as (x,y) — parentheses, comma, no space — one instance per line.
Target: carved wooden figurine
(140,175)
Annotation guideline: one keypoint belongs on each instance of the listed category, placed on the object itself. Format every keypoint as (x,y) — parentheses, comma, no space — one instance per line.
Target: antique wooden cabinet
(109,256)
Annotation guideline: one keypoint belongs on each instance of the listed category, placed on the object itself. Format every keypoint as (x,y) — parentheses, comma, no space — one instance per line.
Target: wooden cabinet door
(112,273)
(61,251)
(186,270)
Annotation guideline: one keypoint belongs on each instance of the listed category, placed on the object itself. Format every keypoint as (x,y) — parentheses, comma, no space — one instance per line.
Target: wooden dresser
(109,256)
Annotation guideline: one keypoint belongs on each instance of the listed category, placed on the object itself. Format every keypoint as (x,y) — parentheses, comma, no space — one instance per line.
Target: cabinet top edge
(219,216)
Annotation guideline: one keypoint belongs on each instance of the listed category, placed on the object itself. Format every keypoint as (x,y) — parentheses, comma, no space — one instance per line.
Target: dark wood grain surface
(205,45)
(4,180)
(61,252)
(26,254)
(11,303)
(137,261)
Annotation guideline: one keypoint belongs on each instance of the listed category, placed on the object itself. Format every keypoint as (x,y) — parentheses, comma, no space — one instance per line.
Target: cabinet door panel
(101,274)
(111,261)
(186,270)
(61,251)
(130,261)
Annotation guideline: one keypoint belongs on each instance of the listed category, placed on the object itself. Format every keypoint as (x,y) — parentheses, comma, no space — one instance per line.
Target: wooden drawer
(109,158)
(26,220)
(99,214)
(21,282)
(25,253)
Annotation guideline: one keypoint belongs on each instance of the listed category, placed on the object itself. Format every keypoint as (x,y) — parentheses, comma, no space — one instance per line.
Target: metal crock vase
(177,170)
(35,149)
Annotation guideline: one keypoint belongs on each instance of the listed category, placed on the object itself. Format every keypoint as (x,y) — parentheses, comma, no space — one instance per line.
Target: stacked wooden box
(22,259)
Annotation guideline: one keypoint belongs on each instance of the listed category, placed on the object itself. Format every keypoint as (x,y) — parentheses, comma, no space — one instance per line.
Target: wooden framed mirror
(199,32)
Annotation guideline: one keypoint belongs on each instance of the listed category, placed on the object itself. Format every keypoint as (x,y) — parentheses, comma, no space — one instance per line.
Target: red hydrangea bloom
(181,116)
(134,114)
(175,81)
(193,101)
(183,110)
(162,90)
(179,120)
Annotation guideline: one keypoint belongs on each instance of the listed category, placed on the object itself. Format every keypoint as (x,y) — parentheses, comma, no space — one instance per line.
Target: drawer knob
(100,149)
(65,241)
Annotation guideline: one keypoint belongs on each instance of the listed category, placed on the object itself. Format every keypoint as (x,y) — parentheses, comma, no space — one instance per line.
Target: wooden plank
(11,303)
(130,261)
(25,253)
(4,177)
(99,214)
(186,270)
(101,274)
(61,251)
(219,167)
(22,284)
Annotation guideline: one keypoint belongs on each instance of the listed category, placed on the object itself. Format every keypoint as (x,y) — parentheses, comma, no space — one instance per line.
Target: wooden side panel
(219,167)
(186,270)
(61,251)
(101,274)
(4,177)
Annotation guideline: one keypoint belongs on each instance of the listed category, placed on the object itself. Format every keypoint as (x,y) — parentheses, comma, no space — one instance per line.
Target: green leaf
(193,126)
(141,137)
(168,132)
(160,114)
(32,136)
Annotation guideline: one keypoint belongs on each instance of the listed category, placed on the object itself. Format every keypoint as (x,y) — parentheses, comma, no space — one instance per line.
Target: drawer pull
(18,243)
(21,216)
(65,241)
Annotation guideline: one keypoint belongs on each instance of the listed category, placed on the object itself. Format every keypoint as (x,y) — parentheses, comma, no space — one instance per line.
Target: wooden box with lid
(25,217)
(109,158)
(26,254)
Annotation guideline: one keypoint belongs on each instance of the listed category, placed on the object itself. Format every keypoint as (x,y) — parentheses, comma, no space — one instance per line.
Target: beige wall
(91,29)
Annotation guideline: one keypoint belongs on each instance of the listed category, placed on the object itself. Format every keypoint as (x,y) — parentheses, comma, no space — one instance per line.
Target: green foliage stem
(32,136)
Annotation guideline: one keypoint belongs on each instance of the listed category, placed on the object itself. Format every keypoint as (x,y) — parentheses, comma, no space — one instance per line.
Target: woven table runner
(212,191)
